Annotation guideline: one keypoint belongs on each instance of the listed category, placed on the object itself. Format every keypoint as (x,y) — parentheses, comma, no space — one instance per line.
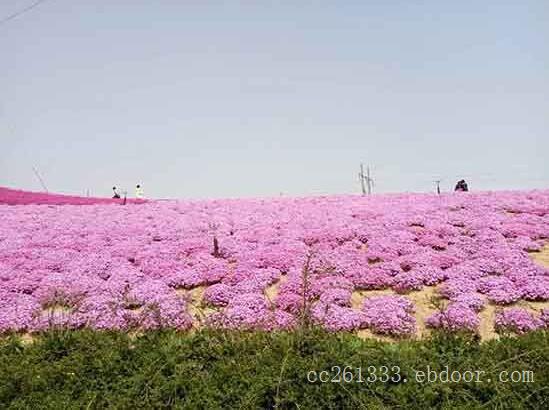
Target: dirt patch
(194,295)
(272,291)
(358,296)
(56,311)
(136,308)
(27,339)
(368,334)
(538,306)
(541,257)
(196,308)
(487,316)
(425,302)
(534,307)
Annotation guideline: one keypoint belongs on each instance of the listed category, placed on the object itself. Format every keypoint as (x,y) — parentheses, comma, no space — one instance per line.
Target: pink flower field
(17,197)
(391,265)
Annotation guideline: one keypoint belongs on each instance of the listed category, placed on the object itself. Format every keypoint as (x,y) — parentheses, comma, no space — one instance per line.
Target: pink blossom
(456,316)
(109,266)
(517,320)
(334,317)
(389,315)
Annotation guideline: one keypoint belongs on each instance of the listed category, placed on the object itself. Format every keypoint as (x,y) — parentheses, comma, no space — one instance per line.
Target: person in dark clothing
(461,186)
(116,195)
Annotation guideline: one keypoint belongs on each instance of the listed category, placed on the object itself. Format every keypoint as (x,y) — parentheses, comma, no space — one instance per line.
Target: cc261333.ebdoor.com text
(394,374)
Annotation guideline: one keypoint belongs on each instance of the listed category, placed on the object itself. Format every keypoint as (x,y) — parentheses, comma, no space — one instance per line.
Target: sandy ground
(197,309)
(487,315)
(542,257)
(272,291)
(427,299)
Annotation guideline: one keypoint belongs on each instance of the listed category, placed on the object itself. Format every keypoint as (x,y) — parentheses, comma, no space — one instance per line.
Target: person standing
(139,193)
(461,186)
(116,195)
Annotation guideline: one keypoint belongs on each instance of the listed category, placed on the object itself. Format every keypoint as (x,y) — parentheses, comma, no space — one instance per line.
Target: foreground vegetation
(213,369)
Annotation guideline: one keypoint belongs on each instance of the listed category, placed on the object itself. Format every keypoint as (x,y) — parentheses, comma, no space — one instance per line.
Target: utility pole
(366,181)
(40,179)
(369,180)
(438,185)
(361,177)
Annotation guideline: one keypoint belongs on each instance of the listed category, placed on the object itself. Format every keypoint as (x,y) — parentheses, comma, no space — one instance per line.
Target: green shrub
(227,369)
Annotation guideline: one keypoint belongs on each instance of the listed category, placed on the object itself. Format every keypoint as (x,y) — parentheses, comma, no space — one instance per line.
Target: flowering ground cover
(390,265)
(18,197)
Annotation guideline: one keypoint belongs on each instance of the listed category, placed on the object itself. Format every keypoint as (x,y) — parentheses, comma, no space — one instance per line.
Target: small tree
(306,308)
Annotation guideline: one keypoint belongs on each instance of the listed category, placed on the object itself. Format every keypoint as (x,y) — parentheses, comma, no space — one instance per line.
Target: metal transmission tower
(366,181)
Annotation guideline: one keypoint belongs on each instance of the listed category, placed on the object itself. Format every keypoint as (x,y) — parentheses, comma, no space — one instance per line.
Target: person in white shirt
(139,193)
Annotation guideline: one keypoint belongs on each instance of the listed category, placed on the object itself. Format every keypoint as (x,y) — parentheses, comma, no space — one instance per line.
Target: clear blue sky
(225,99)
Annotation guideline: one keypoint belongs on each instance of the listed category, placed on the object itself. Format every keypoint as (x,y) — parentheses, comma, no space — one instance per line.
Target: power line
(22,11)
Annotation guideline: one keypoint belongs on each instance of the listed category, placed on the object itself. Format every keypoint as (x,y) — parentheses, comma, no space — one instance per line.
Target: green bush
(222,369)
